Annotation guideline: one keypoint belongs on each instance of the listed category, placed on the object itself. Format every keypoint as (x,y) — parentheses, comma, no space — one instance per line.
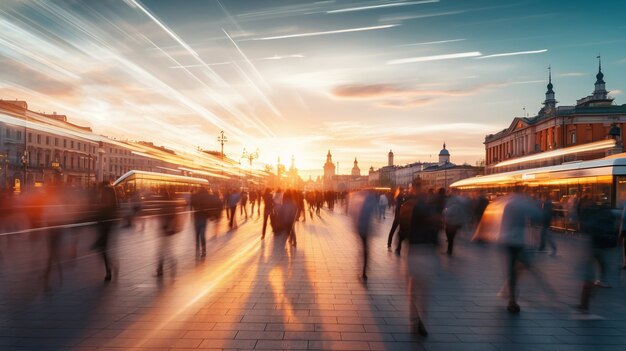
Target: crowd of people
(520,222)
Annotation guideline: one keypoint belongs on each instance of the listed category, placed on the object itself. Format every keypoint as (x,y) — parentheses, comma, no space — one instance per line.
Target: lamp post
(223,139)
(250,156)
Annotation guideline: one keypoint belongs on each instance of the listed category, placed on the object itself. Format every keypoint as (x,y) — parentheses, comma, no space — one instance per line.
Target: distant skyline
(300,78)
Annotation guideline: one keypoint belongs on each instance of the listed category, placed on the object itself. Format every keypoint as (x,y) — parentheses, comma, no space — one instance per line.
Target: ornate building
(593,118)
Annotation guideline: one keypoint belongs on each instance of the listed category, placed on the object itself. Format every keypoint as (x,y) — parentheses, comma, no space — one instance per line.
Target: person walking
(400,199)
(519,211)
(233,201)
(382,206)
(546,220)
(268,209)
(455,216)
(171,224)
(243,199)
(200,204)
(363,207)
(107,212)
(253,197)
(420,222)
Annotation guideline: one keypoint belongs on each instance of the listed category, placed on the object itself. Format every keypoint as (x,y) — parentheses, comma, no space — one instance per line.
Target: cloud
(375,91)
(402,104)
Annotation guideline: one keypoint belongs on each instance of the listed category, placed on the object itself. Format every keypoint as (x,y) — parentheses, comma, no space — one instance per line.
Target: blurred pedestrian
(455,216)
(107,212)
(287,217)
(399,200)
(171,224)
(268,209)
(243,199)
(253,198)
(546,220)
(363,208)
(200,203)
(419,221)
(518,212)
(233,201)
(382,206)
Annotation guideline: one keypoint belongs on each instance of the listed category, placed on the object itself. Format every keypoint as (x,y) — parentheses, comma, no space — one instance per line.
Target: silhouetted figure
(171,224)
(244,202)
(253,197)
(546,220)
(268,209)
(107,211)
(419,221)
(53,216)
(400,199)
(598,223)
(287,217)
(201,204)
(233,201)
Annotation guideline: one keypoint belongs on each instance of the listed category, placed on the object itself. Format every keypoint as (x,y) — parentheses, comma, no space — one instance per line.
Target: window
(56,141)
(19,135)
(78,146)
(71,144)
(64,143)
(30,137)
(8,133)
(38,138)
(47,140)
(572,137)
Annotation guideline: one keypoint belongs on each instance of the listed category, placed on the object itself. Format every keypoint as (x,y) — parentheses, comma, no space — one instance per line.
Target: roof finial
(549,73)
(599,57)
(444,144)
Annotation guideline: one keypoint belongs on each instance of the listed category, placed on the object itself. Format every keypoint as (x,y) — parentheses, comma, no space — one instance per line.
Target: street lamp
(250,156)
(223,139)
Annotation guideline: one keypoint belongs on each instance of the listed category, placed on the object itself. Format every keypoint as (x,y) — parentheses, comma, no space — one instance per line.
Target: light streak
(598,145)
(373,7)
(434,58)
(514,53)
(204,288)
(338,31)
(433,42)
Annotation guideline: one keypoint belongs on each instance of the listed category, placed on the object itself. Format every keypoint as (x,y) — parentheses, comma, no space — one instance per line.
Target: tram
(152,184)
(604,180)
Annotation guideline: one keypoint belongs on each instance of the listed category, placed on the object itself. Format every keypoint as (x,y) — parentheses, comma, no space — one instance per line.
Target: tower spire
(550,102)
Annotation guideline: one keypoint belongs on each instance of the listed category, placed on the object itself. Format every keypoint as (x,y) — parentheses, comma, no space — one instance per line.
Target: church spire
(550,102)
(600,93)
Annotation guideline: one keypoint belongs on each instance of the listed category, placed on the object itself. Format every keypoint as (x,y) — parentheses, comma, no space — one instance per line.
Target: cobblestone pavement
(261,294)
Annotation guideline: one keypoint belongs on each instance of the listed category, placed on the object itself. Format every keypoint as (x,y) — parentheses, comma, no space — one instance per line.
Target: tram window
(620,191)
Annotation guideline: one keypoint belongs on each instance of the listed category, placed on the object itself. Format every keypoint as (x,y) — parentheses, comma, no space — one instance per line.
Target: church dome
(444,151)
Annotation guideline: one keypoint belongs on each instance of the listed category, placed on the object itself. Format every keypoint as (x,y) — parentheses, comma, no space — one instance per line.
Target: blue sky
(300,77)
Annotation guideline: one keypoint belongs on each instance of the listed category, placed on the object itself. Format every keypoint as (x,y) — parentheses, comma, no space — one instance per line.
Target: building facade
(593,118)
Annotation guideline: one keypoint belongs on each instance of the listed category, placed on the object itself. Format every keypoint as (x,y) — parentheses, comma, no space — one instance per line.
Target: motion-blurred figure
(363,207)
(382,206)
(399,200)
(545,221)
(107,211)
(53,217)
(287,217)
(243,198)
(233,201)
(420,223)
(268,209)
(253,197)
(171,224)
(518,212)
(622,236)
(200,203)
(455,216)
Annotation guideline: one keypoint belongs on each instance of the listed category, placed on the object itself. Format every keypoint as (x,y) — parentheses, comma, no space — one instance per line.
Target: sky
(299,78)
